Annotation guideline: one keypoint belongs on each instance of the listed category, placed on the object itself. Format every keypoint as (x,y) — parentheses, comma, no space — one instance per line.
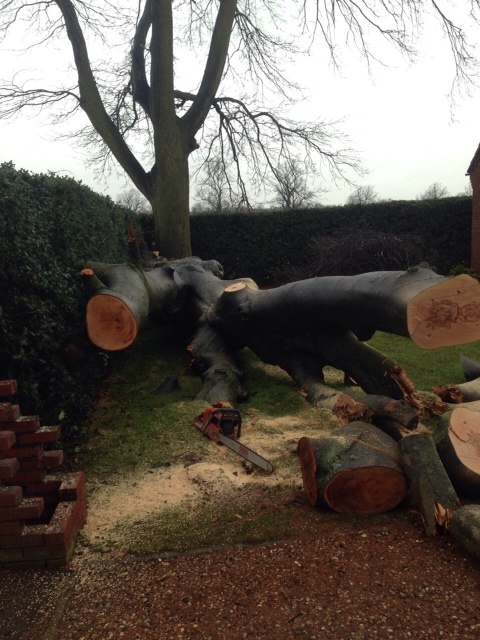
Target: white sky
(399,120)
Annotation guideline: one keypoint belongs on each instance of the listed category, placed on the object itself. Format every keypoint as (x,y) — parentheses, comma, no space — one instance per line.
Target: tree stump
(356,469)
(457,438)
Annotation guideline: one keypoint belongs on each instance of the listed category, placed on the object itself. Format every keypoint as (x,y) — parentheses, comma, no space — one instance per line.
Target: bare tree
(134,201)
(468,191)
(141,116)
(290,186)
(363,195)
(435,191)
(217,192)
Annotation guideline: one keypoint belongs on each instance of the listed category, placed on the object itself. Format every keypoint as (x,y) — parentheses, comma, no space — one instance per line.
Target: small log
(430,487)
(457,438)
(355,469)
(465,528)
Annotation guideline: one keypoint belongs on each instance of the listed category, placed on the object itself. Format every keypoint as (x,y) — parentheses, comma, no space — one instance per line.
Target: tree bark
(431,490)
(356,469)
(471,368)
(457,438)
(465,528)
(169,197)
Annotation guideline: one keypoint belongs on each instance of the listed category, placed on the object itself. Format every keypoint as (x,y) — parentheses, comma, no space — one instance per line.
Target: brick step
(8,388)
(44,545)
(28,508)
(40,436)
(9,411)
(48,460)
(10,496)
(32,451)
(7,440)
(8,468)
(23,424)
(41,510)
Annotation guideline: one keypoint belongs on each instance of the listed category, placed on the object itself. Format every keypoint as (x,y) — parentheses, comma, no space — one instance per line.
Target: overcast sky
(400,120)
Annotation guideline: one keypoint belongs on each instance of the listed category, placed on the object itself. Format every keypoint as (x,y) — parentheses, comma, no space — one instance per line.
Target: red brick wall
(475,180)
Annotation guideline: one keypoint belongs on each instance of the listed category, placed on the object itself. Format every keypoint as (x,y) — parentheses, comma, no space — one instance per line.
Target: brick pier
(41,508)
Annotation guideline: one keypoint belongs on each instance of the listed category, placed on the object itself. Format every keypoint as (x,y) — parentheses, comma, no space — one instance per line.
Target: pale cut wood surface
(446,314)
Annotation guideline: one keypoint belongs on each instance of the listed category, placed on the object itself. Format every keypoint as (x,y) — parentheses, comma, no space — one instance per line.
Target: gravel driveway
(384,580)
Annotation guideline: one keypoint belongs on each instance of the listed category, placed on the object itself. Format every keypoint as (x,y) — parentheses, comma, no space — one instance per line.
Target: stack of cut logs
(366,468)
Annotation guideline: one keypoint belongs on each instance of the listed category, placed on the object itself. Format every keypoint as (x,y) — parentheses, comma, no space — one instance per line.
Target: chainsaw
(223,425)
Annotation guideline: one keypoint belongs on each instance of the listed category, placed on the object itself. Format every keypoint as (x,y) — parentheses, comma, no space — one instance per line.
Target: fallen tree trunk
(431,490)
(301,327)
(457,438)
(419,304)
(355,469)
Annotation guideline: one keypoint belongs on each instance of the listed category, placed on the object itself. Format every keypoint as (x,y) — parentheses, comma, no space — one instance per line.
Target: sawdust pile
(116,505)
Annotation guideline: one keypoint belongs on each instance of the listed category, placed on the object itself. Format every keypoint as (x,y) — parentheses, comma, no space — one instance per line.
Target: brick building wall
(474,173)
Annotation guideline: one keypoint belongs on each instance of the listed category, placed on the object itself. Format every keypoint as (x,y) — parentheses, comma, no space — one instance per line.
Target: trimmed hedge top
(263,245)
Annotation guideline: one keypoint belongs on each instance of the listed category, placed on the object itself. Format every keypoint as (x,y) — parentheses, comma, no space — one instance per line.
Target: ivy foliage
(49,227)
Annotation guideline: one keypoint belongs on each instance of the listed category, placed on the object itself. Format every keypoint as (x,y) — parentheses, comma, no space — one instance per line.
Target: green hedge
(264,245)
(49,227)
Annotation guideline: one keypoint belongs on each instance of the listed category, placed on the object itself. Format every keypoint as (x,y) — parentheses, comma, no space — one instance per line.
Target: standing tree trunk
(170,198)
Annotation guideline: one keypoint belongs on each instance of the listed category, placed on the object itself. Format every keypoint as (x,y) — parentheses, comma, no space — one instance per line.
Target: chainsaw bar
(223,424)
(245,452)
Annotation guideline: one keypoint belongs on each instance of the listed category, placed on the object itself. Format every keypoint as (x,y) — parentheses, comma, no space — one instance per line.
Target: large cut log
(465,528)
(355,469)
(121,298)
(430,488)
(419,304)
(457,438)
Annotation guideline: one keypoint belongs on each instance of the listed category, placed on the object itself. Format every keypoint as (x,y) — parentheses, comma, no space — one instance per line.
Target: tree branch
(141,90)
(214,68)
(91,101)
